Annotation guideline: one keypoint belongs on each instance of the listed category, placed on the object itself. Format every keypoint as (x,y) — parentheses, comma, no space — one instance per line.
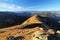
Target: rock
(10,38)
(39,35)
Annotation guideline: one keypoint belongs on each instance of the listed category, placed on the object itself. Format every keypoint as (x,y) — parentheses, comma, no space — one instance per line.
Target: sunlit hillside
(26,29)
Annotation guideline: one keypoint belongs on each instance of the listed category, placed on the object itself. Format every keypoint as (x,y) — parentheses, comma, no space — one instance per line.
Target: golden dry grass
(16,31)
(30,20)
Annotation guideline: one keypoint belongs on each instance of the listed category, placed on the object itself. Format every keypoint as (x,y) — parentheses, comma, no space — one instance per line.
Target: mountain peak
(31,20)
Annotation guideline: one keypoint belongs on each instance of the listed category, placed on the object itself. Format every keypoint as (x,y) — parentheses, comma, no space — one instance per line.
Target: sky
(29,5)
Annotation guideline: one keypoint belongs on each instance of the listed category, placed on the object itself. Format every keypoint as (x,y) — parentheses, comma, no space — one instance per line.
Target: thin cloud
(13,7)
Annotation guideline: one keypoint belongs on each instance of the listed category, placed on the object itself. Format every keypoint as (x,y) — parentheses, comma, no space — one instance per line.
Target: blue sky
(29,5)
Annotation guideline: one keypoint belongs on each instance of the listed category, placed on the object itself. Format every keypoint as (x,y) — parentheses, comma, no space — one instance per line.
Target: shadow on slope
(32,25)
(8,19)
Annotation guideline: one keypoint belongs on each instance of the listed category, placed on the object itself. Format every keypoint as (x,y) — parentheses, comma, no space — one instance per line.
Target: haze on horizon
(29,5)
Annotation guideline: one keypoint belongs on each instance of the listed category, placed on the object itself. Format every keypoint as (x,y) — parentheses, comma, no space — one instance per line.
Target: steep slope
(16,31)
(32,20)
(8,19)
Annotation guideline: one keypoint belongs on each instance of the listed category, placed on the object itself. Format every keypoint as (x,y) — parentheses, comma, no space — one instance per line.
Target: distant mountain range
(15,18)
(11,18)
